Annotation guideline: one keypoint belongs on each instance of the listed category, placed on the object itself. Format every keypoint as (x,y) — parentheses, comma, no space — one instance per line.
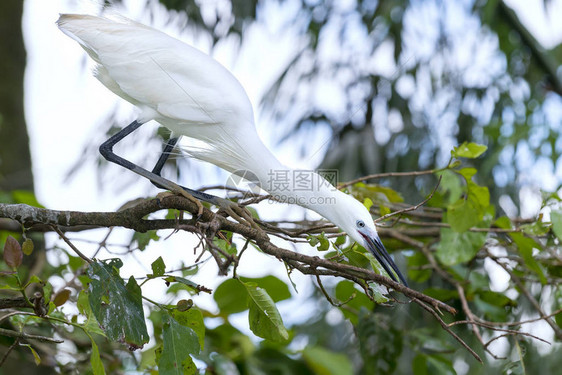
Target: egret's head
(354,218)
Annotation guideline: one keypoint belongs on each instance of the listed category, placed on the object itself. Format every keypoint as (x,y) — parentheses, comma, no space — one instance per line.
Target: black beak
(381,255)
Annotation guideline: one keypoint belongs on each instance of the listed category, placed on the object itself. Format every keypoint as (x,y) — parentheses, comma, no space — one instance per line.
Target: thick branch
(133,218)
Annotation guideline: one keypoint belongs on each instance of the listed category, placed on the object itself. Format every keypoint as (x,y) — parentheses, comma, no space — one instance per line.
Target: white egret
(192,95)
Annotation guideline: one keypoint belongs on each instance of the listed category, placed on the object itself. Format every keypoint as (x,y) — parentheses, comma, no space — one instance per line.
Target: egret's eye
(360,223)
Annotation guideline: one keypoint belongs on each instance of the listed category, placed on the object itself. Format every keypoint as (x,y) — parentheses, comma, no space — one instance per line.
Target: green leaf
(496,299)
(419,365)
(463,215)
(416,270)
(468,150)
(277,289)
(192,285)
(450,183)
(26,197)
(95,360)
(143,239)
(36,357)
(192,318)
(503,222)
(340,240)
(27,246)
(265,320)
(321,240)
(111,301)
(441,294)
(75,263)
(324,242)
(367,203)
(325,362)
(556,219)
(158,267)
(90,324)
(378,193)
(439,365)
(231,297)
(455,248)
(34,279)
(353,298)
(525,246)
(178,343)
(227,246)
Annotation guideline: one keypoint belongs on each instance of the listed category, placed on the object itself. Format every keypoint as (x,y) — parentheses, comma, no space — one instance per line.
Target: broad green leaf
(556,219)
(231,297)
(455,248)
(467,173)
(265,320)
(491,311)
(158,267)
(419,365)
(178,343)
(340,240)
(468,150)
(503,222)
(416,270)
(525,246)
(75,262)
(463,215)
(95,360)
(495,298)
(277,289)
(192,318)
(325,362)
(227,246)
(90,324)
(116,306)
(450,183)
(346,292)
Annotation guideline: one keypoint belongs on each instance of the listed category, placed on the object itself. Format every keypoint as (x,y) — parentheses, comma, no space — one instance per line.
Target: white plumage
(191,94)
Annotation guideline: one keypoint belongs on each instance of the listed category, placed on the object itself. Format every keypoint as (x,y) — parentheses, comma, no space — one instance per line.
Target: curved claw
(200,207)
(237,212)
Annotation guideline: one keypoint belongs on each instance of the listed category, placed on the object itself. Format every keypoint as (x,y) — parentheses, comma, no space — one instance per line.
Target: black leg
(164,156)
(106,149)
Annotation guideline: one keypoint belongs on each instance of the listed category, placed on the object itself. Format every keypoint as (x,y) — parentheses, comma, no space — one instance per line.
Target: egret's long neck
(306,188)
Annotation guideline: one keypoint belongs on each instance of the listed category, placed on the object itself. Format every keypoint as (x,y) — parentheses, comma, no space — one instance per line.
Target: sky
(64,104)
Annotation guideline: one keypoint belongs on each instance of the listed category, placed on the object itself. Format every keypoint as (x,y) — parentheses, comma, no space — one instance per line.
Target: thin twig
(16,342)
(389,174)
(80,254)
(21,335)
(446,328)
(412,208)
